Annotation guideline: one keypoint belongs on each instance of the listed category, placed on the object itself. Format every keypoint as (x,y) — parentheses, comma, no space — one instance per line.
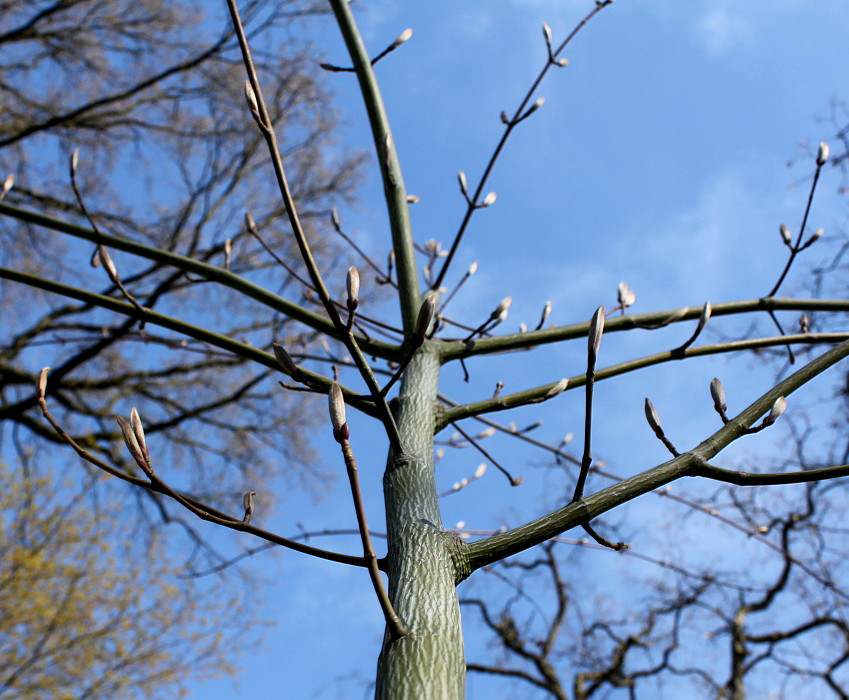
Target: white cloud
(721,30)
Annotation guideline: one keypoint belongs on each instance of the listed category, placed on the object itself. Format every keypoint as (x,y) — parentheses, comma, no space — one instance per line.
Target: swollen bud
(41,384)
(717,392)
(776,410)
(546,32)
(336,404)
(285,361)
(785,234)
(8,183)
(652,418)
(814,236)
(138,431)
(75,159)
(558,388)
(424,318)
(250,96)
(132,444)
(822,153)
(539,102)
(248,503)
(402,37)
(502,307)
(595,331)
(352,283)
(489,200)
(461,178)
(625,296)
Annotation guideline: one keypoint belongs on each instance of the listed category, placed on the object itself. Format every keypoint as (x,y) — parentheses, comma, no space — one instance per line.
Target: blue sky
(659,158)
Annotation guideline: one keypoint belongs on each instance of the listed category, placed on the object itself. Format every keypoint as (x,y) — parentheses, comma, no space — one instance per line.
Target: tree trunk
(425,563)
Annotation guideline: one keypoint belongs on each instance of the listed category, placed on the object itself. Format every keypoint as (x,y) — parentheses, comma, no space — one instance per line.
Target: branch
(209,272)
(520,398)
(455,349)
(202,510)
(390,169)
(154,317)
(492,549)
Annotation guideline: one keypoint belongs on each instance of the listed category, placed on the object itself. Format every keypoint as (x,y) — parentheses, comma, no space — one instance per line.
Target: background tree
(408,532)
(86,614)
(147,83)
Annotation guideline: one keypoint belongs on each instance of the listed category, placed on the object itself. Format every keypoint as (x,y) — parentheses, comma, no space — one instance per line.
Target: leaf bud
(776,410)
(717,392)
(595,331)
(822,153)
(250,96)
(8,184)
(625,296)
(402,37)
(503,305)
(652,418)
(785,234)
(804,324)
(473,268)
(814,236)
(41,384)
(546,32)
(424,318)
(539,102)
(461,178)
(132,444)
(352,283)
(558,388)
(138,431)
(75,159)
(285,361)
(489,200)
(336,404)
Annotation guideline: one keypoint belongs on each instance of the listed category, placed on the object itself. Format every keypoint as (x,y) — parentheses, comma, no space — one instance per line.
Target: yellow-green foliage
(80,619)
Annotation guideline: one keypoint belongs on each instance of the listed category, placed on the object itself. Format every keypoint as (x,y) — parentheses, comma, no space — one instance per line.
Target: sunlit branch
(489,550)
(504,401)
(390,169)
(454,349)
(199,508)
(218,340)
(213,273)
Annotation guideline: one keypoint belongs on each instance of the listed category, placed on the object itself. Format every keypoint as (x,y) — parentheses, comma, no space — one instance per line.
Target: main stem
(424,562)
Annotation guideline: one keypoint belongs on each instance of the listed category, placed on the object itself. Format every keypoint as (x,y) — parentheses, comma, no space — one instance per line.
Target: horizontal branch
(209,272)
(448,415)
(691,463)
(729,476)
(183,328)
(456,349)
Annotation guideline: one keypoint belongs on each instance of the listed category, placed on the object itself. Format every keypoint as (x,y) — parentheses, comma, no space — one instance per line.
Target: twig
(202,510)
(341,433)
(101,255)
(514,481)
(522,112)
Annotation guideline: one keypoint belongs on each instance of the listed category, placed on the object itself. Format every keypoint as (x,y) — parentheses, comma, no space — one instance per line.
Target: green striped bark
(425,563)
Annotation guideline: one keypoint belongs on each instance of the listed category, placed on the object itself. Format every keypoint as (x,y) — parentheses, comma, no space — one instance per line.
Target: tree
(423,653)
(83,619)
(155,75)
